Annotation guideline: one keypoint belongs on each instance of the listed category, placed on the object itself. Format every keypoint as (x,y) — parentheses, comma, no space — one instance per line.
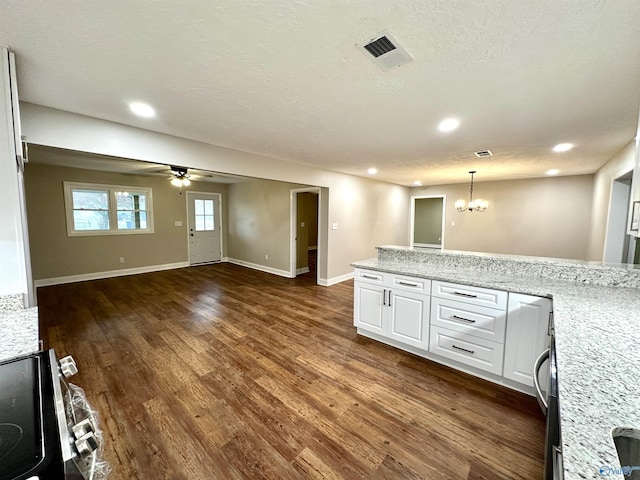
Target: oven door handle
(544,356)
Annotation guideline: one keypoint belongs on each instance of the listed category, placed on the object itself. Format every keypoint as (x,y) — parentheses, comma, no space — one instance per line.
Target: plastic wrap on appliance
(99,469)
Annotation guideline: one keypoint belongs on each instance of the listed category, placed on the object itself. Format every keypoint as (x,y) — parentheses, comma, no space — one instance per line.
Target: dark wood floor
(221,372)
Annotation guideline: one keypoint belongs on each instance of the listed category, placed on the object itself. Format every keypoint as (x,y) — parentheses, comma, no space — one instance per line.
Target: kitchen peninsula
(596,309)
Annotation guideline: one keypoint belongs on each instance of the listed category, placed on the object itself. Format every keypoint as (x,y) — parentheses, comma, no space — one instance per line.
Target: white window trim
(113,213)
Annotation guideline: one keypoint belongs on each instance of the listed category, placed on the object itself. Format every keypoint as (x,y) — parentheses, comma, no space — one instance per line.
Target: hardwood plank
(221,372)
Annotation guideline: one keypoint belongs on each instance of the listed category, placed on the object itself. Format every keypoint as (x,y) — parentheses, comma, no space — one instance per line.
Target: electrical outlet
(266,257)
(121,259)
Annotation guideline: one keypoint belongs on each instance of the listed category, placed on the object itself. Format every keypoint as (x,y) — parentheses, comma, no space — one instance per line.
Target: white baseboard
(262,268)
(302,270)
(112,273)
(333,280)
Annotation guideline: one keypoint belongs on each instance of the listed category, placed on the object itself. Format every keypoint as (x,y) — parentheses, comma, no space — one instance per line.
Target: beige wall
(54,254)
(547,217)
(621,163)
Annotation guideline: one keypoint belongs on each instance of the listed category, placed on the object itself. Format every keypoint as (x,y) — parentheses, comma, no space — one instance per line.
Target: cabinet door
(409,318)
(369,307)
(527,336)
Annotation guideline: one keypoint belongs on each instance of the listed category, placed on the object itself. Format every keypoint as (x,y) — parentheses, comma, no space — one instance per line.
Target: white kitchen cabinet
(468,325)
(489,333)
(485,297)
(370,309)
(527,336)
(408,318)
(483,322)
(394,306)
(473,351)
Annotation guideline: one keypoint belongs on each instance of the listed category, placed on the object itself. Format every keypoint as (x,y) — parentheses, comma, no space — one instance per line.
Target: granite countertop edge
(597,332)
(19,333)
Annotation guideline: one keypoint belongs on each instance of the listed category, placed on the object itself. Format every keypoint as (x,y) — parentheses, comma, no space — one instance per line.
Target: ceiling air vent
(385,51)
(483,153)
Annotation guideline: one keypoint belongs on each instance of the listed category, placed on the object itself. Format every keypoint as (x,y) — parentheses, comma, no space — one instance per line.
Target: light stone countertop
(18,328)
(597,331)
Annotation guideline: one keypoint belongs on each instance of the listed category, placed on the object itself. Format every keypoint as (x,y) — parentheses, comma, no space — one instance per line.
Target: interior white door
(204,228)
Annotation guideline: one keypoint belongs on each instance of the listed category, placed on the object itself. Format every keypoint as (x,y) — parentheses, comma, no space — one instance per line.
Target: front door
(204,228)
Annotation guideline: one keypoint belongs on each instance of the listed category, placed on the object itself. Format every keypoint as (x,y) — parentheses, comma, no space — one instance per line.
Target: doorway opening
(619,246)
(204,221)
(427,221)
(305,232)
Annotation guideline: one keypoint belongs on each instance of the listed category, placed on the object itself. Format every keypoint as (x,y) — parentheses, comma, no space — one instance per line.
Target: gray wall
(54,254)
(549,217)
(427,225)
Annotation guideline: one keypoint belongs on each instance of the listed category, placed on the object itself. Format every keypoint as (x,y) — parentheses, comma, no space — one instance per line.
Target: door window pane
(205,220)
(199,207)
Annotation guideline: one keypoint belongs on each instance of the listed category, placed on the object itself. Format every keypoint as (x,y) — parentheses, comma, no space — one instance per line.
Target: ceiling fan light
(186,182)
(176,182)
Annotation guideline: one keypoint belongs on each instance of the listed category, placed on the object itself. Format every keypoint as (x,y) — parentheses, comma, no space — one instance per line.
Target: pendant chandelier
(478,205)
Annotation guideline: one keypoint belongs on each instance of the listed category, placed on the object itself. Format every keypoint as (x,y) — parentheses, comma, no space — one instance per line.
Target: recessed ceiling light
(372,171)
(563,147)
(553,171)
(142,109)
(417,183)
(448,124)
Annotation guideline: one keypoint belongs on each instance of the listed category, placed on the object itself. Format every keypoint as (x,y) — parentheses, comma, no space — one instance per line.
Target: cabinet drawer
(482,322)
(485,297)
(410,284)
(476,352)
(370,276)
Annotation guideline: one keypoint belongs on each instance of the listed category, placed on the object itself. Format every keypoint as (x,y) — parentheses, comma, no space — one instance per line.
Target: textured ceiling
(284,78)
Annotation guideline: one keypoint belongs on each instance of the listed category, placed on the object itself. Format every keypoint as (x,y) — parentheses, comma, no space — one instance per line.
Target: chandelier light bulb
(477,205)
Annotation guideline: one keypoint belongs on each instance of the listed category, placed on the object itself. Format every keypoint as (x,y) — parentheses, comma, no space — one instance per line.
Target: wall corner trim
(333,280)
(262,268)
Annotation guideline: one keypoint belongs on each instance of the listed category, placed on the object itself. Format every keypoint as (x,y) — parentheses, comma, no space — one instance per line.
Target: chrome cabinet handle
(456,317)
(389,297)
(544,356)
(465,295)
(463,349)
(384,297)
(370,277)
(407,284)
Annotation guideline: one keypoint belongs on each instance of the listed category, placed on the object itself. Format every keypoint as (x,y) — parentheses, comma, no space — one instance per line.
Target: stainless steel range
(48,429)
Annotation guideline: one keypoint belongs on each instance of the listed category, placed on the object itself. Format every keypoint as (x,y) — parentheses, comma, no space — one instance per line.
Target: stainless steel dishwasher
(553,467)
